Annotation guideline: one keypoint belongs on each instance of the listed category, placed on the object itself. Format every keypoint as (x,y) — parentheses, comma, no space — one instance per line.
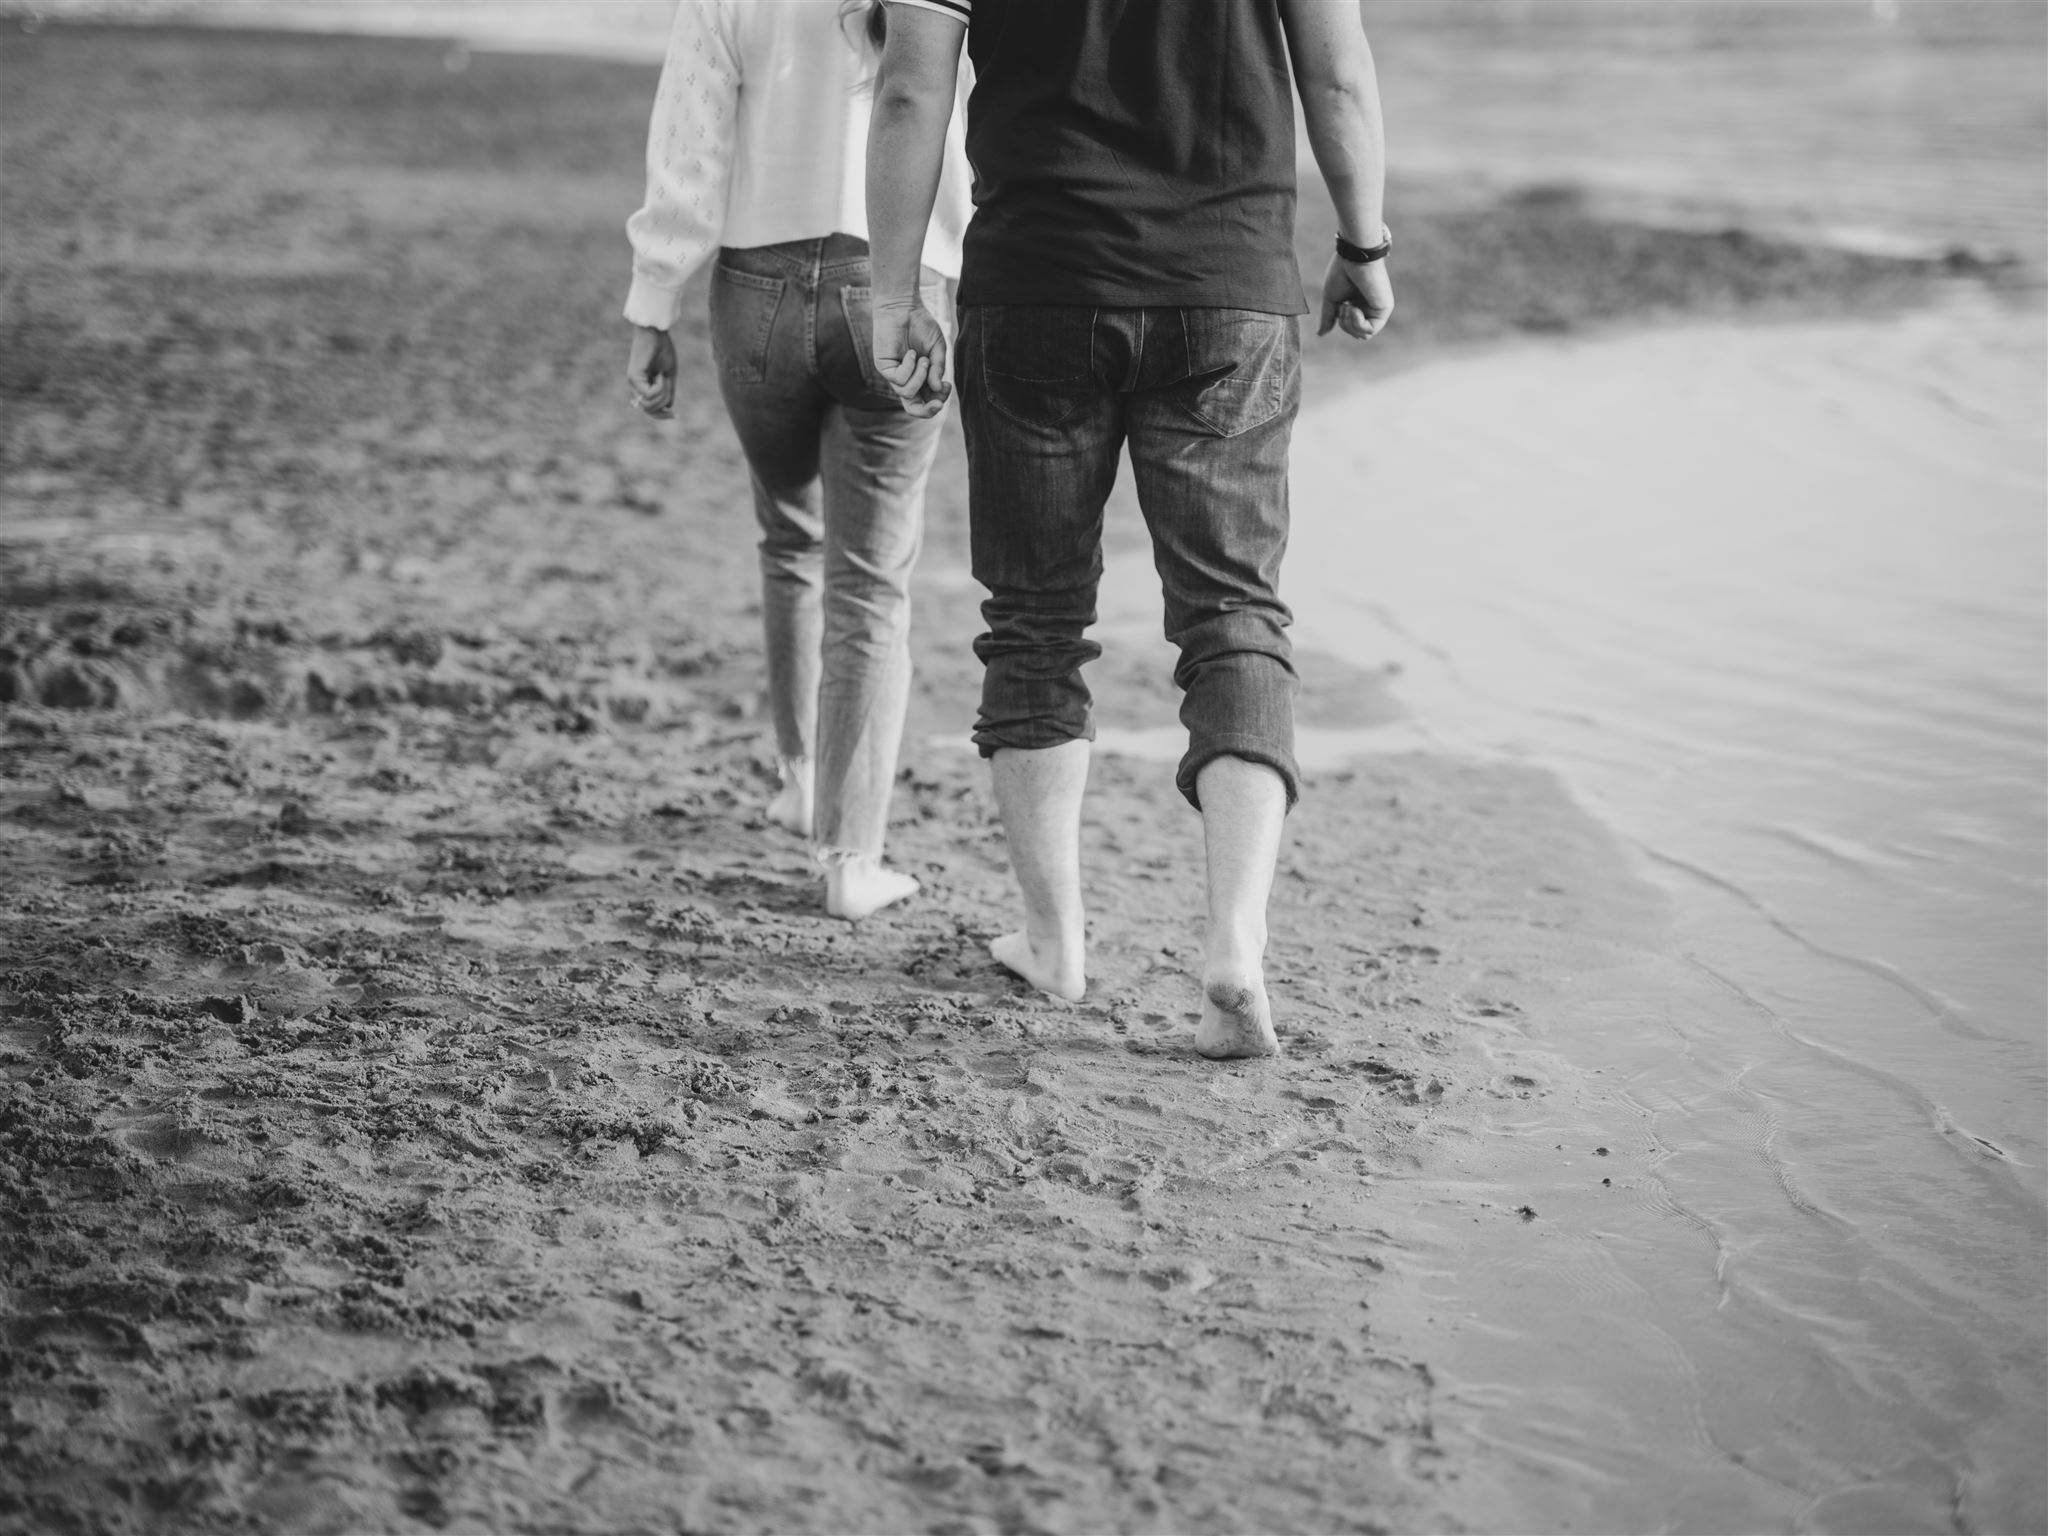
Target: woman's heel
(857,886)
(791,807)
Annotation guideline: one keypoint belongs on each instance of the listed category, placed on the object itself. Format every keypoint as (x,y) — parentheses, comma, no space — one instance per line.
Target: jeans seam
(1229,432)
(817,261)
(786,264)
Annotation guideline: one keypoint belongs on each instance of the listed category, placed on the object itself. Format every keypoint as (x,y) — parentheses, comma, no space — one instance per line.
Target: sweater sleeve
(689,162)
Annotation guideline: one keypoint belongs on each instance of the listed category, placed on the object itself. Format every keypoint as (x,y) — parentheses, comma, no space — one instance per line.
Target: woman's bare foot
(1051,969)
(859,887)
(1237,1019)
(791,807)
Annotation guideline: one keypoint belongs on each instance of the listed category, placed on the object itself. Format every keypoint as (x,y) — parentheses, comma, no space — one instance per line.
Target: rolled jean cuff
(1030,735)
(1204,750)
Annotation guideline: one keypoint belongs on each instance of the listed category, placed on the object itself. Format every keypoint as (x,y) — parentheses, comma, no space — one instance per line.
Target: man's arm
(1340,99)
(906,151)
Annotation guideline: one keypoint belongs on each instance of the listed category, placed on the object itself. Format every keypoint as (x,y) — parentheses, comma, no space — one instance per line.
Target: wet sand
(435,1097)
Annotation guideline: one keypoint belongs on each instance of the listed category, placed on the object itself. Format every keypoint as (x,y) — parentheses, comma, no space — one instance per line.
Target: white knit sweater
(760,136)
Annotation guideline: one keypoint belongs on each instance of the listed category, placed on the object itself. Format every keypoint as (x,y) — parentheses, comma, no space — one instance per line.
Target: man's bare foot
(1050,970)
(860,887)
(1237,1020)
(791,807)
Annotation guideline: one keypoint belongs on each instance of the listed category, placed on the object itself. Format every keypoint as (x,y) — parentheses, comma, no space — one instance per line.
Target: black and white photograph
(1023,767)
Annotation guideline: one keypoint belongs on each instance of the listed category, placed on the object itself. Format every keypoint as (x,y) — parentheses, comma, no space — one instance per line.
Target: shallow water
(1773,601)
(1894,124)
(1775,593)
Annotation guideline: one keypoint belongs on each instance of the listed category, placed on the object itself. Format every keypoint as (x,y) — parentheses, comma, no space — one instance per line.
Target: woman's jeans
(839,475)
(1204,401)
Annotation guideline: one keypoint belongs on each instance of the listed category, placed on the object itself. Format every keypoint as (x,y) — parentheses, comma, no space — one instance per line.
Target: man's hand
(651,372)
(1359,297)
(1340,103)
(911,353)
(914,93)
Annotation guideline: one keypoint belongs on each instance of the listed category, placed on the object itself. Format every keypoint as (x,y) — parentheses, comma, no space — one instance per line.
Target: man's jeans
(1206,400)
(839,474)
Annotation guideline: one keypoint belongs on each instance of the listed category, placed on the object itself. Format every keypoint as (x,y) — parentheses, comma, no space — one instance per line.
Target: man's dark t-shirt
(1130,153)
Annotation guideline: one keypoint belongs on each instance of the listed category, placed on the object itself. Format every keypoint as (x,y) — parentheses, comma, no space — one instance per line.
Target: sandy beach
(434,1096)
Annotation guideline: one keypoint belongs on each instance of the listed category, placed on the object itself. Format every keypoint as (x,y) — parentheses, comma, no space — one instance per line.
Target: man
(1129,279)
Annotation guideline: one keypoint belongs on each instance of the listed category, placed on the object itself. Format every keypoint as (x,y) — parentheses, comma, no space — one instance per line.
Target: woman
(757,154)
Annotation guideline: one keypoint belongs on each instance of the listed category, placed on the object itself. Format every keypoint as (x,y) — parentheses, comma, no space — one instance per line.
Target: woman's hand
(651,372)
(1360,298)
(911,353)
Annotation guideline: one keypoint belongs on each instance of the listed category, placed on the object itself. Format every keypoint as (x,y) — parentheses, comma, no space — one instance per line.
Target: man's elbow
(1340,91)
(1340,107)
(904,97)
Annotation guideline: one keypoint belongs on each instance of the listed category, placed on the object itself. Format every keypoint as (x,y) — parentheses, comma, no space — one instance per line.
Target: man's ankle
(1242,952)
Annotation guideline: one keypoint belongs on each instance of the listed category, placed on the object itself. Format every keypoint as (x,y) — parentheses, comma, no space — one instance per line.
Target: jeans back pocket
(743,310)
(1037,364)
(1244,368)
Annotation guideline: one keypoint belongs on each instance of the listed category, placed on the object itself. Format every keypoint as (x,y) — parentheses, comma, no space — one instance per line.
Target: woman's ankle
(792,806)
(858,884)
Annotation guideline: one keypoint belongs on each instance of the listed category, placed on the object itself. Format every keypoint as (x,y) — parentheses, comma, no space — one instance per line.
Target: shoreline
(1844,986)
(1433,57)
(433,1094)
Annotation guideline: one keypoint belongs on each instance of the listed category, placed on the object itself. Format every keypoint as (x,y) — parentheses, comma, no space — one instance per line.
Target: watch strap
(1360,255)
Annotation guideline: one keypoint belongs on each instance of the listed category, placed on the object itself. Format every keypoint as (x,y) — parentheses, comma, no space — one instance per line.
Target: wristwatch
(1361,255)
